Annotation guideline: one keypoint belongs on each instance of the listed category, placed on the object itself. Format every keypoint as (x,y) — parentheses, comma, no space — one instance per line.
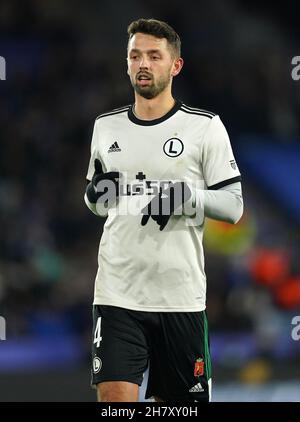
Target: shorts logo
(199,368)
(97,365)
(197,388)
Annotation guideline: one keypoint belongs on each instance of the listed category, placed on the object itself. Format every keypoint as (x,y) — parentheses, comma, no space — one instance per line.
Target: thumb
(98,166)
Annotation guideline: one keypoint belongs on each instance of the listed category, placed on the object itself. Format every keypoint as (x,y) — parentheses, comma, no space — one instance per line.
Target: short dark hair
(158,29)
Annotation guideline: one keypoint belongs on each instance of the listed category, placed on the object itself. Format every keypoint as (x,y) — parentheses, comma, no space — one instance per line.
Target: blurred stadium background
(65,65)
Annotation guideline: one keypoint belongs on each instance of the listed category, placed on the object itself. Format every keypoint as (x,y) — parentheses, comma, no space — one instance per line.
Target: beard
(153,89)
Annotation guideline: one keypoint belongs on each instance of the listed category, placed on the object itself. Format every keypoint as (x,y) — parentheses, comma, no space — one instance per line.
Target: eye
(134,57)
(155,57)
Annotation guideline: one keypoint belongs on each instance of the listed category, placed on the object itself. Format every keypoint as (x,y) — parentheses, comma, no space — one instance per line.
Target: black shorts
(175,346)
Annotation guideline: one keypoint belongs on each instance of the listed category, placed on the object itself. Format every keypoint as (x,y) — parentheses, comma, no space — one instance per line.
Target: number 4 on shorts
(97,336)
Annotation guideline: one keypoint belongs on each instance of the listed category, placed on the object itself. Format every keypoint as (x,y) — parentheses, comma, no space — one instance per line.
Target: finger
(162,223)
(98,166)
(145,219)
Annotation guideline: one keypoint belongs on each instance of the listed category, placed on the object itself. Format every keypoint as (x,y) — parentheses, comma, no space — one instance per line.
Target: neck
(155,108)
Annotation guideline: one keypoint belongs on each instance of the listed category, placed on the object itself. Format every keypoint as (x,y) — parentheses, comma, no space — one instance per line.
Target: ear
(177,66)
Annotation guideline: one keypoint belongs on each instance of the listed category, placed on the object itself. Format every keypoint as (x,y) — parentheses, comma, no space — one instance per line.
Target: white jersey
(141,267)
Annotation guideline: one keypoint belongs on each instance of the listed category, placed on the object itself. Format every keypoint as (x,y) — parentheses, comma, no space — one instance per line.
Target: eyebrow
(153,51)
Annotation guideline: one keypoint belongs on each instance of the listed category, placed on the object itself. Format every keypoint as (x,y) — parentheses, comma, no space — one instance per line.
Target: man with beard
(157,168)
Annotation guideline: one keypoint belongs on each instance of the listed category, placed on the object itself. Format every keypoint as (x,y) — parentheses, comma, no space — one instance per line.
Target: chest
(169,151)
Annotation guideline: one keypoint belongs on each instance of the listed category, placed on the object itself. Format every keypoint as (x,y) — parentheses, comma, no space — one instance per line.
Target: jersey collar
(141,122)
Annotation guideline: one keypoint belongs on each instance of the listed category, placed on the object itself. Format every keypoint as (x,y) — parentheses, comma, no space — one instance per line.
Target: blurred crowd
(66,64)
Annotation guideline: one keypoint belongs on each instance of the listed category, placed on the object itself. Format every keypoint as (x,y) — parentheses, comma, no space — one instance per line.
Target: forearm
(225,204)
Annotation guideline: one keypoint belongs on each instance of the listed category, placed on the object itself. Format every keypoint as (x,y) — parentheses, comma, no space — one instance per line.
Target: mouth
(143,79)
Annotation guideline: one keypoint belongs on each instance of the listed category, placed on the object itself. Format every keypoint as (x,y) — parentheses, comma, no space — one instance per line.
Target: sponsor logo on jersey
(143,186)
(114,147)
(199,368)
(97,365)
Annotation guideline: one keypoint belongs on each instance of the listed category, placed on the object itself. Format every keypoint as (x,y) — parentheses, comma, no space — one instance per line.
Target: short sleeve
(218,162)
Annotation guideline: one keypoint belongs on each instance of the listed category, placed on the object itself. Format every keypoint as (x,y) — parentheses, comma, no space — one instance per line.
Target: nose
(144,62)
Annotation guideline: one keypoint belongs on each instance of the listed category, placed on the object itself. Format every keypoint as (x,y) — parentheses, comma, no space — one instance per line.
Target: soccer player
(158,167)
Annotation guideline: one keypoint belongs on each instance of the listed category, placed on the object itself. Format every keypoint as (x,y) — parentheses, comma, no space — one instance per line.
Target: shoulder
(114,112)
(206,114)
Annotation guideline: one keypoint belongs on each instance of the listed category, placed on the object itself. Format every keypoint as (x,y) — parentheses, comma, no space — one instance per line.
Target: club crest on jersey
(233,164)
(199,368)
(173,147)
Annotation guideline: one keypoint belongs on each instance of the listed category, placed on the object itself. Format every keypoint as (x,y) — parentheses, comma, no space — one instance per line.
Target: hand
(103,183)
(163,205)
